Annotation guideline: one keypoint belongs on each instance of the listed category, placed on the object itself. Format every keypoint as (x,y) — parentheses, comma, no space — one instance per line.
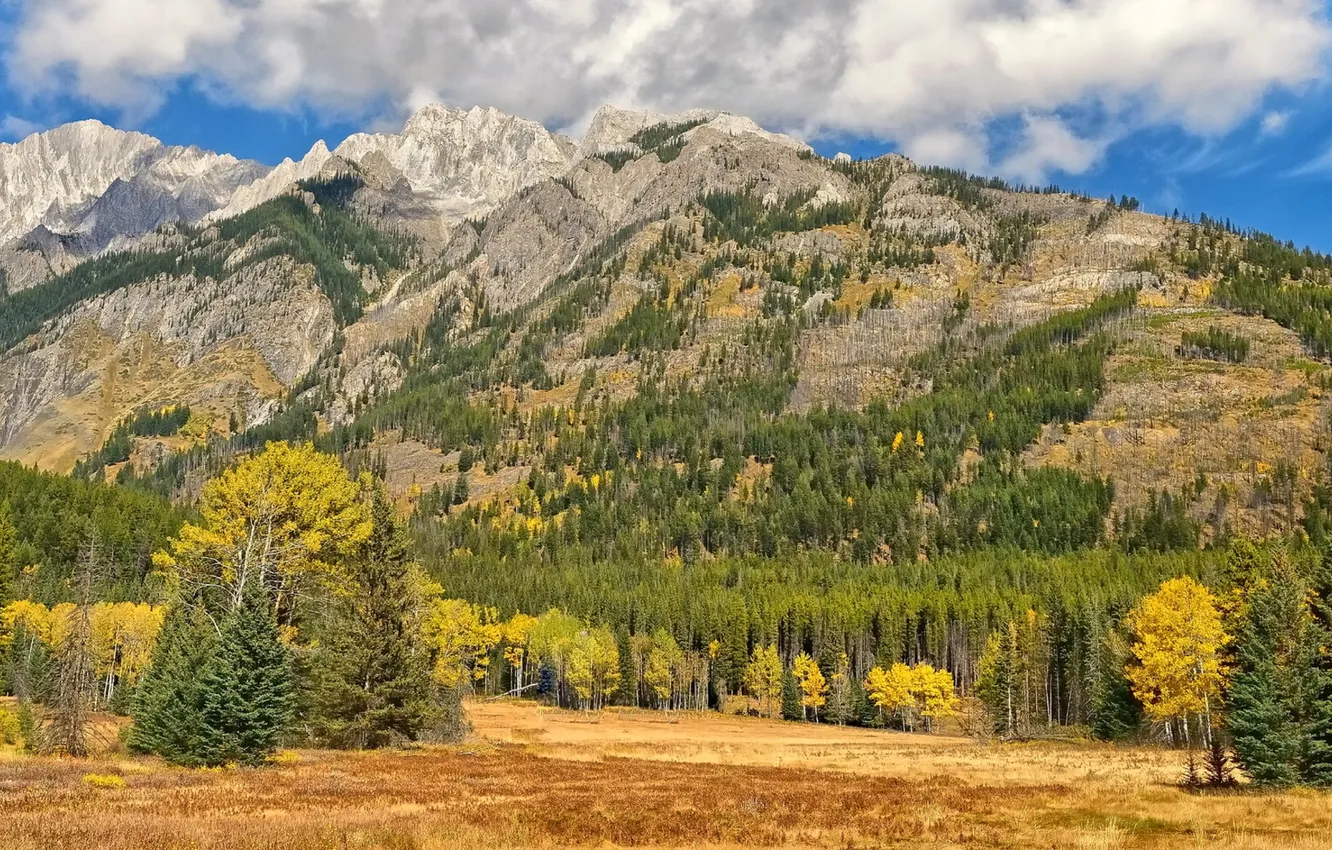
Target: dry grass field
(537,778)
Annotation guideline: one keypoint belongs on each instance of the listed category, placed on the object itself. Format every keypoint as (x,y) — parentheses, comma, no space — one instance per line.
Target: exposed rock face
(81,189)
(274,183)
(612,128)
(206,343)
(96,188)
(48,177)
(911,206)
(464,161)
(530,240)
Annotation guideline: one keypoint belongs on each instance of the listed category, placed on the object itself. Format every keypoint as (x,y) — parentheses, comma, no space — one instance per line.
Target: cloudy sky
(1222,106)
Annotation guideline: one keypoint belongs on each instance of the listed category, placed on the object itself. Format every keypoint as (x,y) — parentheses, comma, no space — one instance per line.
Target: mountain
(682,335)
(77,190)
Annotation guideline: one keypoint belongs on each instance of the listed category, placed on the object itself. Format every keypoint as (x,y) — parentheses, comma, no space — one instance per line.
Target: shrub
(104,780)
(10,731)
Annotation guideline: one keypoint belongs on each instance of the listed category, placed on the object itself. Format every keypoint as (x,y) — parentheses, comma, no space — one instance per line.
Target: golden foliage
(813,685)
(1179,638)
(277,520)
(763,678)
(123,634)
(461,636)
(104,780)
(908,692)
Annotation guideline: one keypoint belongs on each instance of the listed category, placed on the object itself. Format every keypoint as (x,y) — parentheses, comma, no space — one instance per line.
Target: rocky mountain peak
(465,160)
(272,183)
(613,128)
(48,177)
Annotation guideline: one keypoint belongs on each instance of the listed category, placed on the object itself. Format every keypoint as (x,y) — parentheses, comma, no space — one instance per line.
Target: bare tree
(66,723)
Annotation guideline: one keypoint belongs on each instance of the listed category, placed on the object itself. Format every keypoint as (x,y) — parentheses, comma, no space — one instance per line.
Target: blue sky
(1217,106)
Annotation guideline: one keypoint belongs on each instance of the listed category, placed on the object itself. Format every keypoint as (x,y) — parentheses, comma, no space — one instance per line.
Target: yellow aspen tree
(763,678)
(934,694)
(57,624)
(605,665)
(140,626)
(579,673)
(122,637)
(594,667)
(897,441)
(23,615)
(25,627)
(1176,672)
(660,672)
(461,637)
(813,685)
(279,520)
(551,643)
(517,632)
(890,691)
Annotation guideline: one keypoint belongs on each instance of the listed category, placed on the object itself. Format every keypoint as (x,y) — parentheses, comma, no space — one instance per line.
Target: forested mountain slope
(687,375)
(715,282)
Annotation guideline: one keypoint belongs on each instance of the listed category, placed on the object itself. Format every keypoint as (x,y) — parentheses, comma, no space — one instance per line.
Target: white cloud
(926,74)
(1319,166)
(1273,123)
(14,127)
(1048,145)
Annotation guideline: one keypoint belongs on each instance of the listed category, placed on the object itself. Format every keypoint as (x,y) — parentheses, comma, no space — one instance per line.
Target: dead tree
(66,723)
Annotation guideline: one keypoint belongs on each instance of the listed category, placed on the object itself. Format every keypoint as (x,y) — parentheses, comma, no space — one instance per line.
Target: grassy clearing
(538,778)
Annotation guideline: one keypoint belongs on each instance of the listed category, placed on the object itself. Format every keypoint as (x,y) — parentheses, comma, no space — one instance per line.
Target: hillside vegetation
(714,418)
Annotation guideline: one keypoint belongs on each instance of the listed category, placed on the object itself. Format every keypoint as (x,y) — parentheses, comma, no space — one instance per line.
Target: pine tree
(1273,688)
(246,688)
(998,682)
(372,676)
(167,718)
(1220,771)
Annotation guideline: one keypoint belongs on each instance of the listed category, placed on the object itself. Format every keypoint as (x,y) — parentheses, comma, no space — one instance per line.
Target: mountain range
(80,189)
(424,302)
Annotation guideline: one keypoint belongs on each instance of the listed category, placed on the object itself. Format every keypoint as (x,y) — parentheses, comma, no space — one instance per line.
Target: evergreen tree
(245,688)
(1274,689)
(166,714)
(372,676)
(791,707)
(9,564)
(998,682)
(1115,711)
(1318,760)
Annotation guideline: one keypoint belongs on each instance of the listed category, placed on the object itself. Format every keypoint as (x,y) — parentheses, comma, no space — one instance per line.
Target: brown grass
(537,778)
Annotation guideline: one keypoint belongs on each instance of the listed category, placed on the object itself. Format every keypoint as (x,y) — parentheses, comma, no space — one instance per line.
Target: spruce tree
(9,565)
(167,719)
(1273,690)
(372,677)
(791,707)
(1317,768)
(1114,711)
(246,690)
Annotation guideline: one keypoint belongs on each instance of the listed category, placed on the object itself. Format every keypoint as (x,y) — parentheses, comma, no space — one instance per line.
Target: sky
(1216,106)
